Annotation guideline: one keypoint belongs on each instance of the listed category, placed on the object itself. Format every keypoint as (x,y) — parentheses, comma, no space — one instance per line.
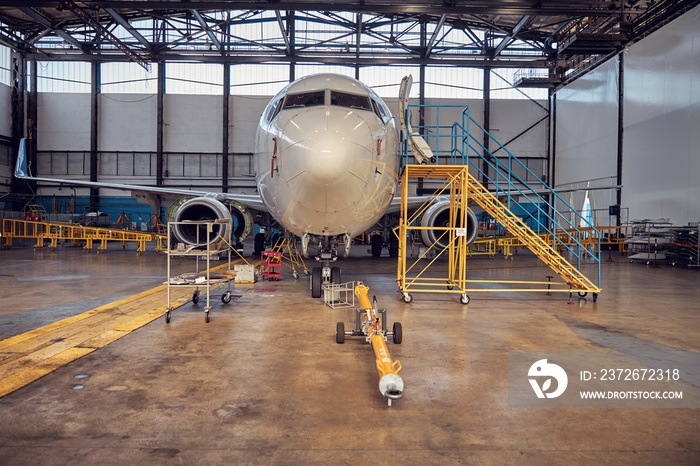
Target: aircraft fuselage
(327,156)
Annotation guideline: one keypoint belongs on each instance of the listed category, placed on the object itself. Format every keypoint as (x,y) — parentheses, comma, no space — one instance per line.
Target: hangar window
(307,99)
(341,99)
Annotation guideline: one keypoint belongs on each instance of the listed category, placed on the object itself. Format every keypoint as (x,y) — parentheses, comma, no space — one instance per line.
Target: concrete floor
(265,383)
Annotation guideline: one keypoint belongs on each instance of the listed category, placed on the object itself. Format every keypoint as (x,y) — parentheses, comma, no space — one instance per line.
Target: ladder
(533,241)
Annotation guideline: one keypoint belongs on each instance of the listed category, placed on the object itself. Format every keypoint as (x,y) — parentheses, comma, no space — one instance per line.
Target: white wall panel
(244,114)
(63,121)
(586,136)
(6,114)
(661,155)
(128,122)
(192,123)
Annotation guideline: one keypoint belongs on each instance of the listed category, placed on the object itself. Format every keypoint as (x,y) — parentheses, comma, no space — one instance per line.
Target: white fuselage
(327,156)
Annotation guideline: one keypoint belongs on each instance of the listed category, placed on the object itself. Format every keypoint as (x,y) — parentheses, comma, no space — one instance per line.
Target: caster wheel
(195,297)
(306,272)
(206,317)
(464,298)
(407,298)
(398,333)
(582,294)
(167,317)
(226,297)
(295,276)
(595,297)
(340,333)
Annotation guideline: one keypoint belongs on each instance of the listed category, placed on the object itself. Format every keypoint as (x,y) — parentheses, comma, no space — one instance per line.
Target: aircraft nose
(329,149)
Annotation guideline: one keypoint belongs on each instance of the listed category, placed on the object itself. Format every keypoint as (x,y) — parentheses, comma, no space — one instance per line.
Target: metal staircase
(516,227)
(512,184)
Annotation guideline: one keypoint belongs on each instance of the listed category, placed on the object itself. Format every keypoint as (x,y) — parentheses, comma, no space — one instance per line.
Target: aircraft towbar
(370,323)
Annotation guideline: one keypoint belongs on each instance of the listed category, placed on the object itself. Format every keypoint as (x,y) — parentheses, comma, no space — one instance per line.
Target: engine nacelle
(438,217)
(208,208)
(201,209)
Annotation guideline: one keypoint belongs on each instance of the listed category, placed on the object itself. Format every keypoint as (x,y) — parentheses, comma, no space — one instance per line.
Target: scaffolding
(543,228)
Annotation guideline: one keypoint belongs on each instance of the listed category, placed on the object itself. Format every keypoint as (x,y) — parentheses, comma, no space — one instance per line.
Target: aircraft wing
(251,201)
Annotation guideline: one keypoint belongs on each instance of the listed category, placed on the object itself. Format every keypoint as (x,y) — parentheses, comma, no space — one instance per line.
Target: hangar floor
(265,382)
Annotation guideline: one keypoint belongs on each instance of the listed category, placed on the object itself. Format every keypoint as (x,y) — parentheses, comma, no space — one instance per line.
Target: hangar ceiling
(560,38)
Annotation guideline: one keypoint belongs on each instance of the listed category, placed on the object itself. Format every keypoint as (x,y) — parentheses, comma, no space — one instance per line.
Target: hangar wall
(586,137)
(661,114)
(192,138)
(661,157)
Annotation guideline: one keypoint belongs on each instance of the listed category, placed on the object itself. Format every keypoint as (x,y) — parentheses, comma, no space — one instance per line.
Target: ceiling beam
(200,19)
(433,38)
(47,23)
(524,21)
(123,22)
(283,31)
(496,7)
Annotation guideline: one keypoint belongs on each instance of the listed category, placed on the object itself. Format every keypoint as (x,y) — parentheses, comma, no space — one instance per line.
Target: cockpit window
(342,99)
(307,99)
(273,110)
(380,111)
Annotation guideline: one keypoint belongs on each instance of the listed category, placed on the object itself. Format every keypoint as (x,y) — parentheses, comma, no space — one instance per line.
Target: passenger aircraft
(327,160)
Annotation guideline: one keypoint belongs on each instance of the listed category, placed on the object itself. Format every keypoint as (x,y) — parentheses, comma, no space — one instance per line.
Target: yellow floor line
(31,355)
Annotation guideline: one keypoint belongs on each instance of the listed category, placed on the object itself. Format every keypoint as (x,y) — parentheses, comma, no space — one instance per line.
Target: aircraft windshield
(307,99)
(342,99)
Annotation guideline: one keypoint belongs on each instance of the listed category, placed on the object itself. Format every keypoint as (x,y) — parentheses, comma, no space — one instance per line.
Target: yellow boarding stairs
(533,241)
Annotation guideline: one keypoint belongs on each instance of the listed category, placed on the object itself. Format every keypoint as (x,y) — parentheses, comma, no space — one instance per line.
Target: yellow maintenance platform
(55,232)
(462,187)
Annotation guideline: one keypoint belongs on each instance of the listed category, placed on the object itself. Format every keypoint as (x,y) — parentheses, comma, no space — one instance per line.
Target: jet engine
(437,217)
(208,208)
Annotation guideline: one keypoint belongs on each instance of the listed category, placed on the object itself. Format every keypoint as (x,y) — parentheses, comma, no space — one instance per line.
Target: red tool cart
(271,265)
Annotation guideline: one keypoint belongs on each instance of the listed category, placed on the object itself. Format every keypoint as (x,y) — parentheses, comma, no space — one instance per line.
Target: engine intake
(202,209)
(437,217)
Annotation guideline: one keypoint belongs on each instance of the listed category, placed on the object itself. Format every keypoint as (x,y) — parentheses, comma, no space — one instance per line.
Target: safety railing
(509,178)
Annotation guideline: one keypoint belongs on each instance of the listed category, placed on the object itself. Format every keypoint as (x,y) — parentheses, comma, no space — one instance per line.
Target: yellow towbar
(370,323)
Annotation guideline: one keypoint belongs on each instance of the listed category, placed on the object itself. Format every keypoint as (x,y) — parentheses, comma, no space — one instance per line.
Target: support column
(225,142)
(159,128)
(32,115)
(94,133)
(17,119)
(620,129)
(291,30)
(487,123)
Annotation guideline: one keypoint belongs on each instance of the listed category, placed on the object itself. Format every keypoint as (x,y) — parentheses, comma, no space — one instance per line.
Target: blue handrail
(502,173)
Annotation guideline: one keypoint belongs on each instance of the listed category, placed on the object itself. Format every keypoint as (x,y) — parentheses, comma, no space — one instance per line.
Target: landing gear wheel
(582,294)
(464,298)
(316,282)
(376,245)
(398,333)
(335,275)
(226,297)
(340,333)
(393,245)
(407,298)
(195,297)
